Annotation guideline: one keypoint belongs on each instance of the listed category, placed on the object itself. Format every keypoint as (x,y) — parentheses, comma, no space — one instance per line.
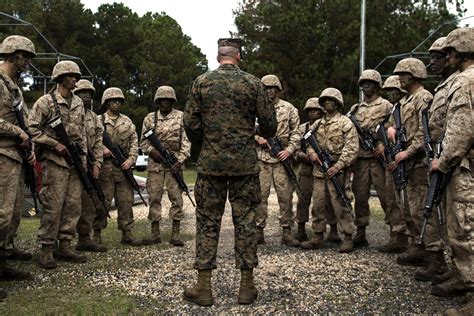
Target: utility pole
(362,43)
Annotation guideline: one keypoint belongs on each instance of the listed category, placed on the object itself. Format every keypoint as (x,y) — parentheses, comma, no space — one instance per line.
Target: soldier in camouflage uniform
(338,135)
(122,133)
(458,155)
(220,114)
(411,72)
(167,124)
(61,191)
(367,169)
(305,178)
(271,170)
(398,241)
(85,90)
(17,52)
(437,119)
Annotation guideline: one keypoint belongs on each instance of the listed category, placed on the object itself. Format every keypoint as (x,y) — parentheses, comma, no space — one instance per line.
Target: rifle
(119,159)
(367,139)
(168,159)
(75,152)
(30,175)
(326,161)
(275,147)
(95,182)
(391,150)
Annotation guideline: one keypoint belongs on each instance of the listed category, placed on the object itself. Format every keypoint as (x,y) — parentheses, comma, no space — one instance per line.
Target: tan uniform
(114,184)
(61,191)
(271,170)
(170,131)
(416,170)
(458,153)
(339,136)
(11,182)
(94,131)
(367,169)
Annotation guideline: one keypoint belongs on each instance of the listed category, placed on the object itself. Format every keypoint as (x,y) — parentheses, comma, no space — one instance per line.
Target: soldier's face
(406,79)
(22,60)
(115,105)
(453,58)
(369,88)
(165,105)
(393,95)
(314,114)
(272,93)
(438,62)
(330,106)
(86,97)
(69,81)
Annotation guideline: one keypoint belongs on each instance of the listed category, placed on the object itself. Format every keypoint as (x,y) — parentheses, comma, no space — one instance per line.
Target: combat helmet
(65,67)
(313,103)
(393,82)
(271,81)
(371,75)
(14,43)
(112,93)
(438,45)
(331,93)
(413,66)
(165,92)
(84,84)
(461,39)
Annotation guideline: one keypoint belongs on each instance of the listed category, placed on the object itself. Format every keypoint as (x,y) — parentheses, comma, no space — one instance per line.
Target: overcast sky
(204,21)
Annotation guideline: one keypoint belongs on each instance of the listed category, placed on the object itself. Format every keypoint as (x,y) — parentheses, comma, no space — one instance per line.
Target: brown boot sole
(199,301)
(48,265)
(246,300)
(177,243)
(97,248)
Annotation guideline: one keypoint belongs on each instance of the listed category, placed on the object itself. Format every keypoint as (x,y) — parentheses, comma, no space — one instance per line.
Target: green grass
(189,175)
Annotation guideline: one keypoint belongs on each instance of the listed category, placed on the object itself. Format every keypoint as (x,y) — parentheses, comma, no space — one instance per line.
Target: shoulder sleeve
(351,144)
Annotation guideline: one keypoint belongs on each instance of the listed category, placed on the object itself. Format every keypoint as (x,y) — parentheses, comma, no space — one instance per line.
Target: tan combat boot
(201,293)
(316,242)
(397,243)
(455,286)
(248,292)
(288,239)
(10,274)
(301,233)
(360,239)
(128,239)
(85,243)
(347,245)
(175,235)
(155,237)
(437,265)
(17,254)
(416,255)
(45,257)
(260,236)
(333,234)
(441,278)
(67,253)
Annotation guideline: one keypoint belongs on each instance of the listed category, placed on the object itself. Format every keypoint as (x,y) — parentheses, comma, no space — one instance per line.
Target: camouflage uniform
(227,163)
(271,170)
(114,184)
(339,136)
(170,131)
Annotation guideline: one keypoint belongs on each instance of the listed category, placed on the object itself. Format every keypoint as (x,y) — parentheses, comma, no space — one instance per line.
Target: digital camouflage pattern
(114,184)
(305,173)
(9,187)
(15,43)
(461,39)
(170,131)
(413,66)
(220,114)
(372,75)
(211,194)
(458,152)
(65,67)
(287,131)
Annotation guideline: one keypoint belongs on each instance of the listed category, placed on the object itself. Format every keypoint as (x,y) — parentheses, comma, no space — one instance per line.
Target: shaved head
(227,53)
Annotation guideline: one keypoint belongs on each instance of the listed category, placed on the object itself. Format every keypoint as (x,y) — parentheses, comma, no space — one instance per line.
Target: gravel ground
(289,280)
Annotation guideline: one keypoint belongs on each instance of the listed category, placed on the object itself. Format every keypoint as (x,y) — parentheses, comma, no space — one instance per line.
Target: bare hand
(332,171)
(95,172)
(401,156)
(434,165)
(107,153)
(315,158)
(304,158)
(392,166)
(379,151)
(262,142)
(24,140)
(283,155)
(31,159)
(155,155)
(61,150)
(391,133)
(127,164)
(176,167)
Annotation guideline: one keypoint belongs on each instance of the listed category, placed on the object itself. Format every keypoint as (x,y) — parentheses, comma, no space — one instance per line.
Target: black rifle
(275,147)
(30,175)
(326,162)
(119,158)
(95,182)
(391,150)
(168,159)
(74,153)
(367,139)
